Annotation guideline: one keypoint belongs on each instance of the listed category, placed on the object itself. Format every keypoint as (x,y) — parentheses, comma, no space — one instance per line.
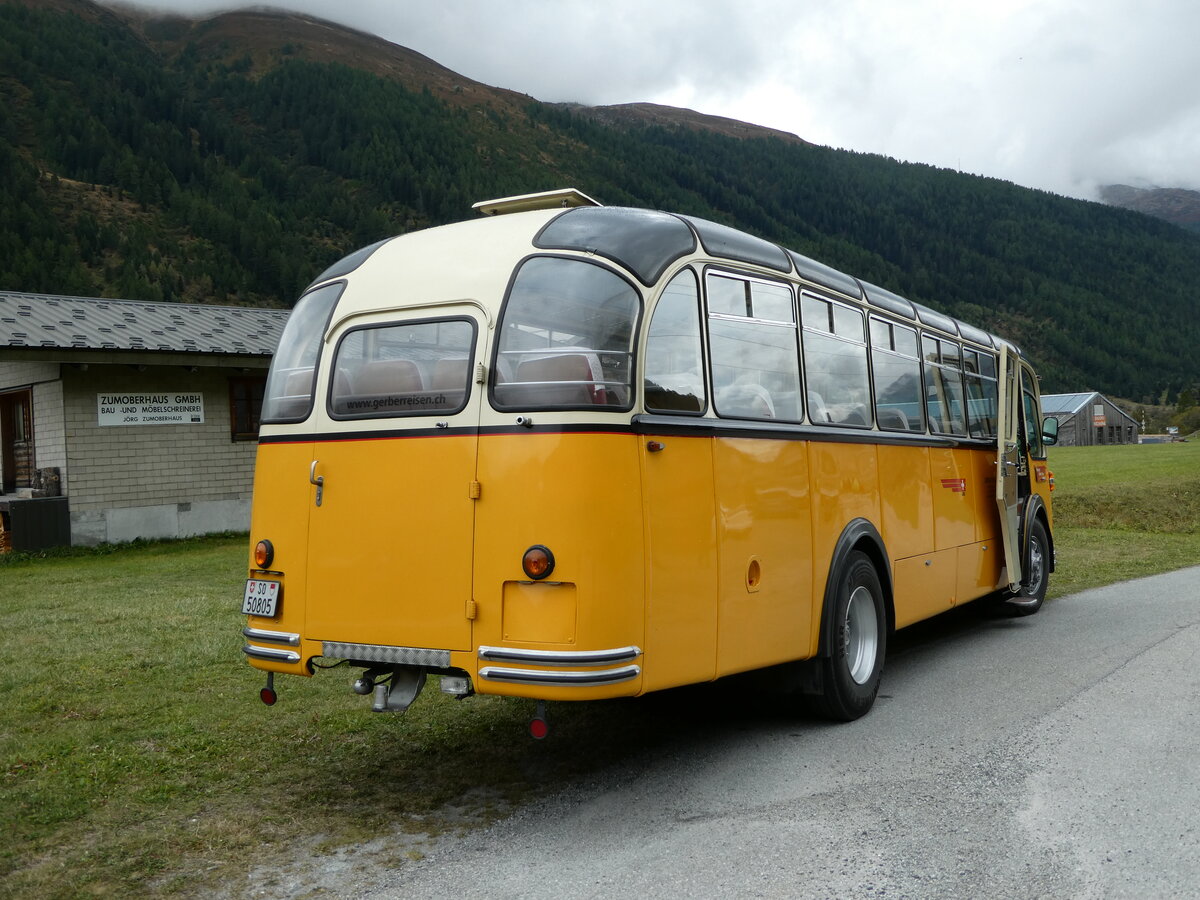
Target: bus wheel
(1028,599)
(851,672)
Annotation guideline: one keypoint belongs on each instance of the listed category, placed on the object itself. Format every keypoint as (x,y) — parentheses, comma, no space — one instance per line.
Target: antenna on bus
(560,199)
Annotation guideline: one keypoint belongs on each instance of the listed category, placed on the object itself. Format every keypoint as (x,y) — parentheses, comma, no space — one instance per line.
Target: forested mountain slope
(229,161)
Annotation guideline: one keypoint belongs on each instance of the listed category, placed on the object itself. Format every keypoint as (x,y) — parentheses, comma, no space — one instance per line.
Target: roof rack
(560,199)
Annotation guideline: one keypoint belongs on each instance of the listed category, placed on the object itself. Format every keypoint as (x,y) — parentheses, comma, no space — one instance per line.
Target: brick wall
(23,374)
(49,429)
(119,466)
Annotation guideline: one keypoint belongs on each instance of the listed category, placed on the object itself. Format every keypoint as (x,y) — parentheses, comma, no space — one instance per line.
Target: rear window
(566,338)
(408,369)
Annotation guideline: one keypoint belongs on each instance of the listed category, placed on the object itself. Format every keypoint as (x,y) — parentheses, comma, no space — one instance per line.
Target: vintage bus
(567,451)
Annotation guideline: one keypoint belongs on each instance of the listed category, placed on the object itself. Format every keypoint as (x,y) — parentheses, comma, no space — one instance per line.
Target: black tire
(850,673)
(1036,578)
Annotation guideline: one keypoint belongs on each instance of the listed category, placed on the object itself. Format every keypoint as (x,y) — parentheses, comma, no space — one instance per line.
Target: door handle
(318,480)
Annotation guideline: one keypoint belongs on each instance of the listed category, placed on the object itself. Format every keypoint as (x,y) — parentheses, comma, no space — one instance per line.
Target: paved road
(1054,756)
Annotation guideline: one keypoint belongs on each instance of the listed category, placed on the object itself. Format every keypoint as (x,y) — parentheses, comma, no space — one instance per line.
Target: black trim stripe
(677,426)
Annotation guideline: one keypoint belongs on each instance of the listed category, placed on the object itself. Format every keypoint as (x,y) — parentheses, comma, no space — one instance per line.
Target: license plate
(262,598)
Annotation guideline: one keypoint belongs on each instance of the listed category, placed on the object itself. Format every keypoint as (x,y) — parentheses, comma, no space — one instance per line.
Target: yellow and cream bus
(567,451)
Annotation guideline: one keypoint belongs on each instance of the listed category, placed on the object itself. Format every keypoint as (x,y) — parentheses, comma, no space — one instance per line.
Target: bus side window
(674,376)
(752,342)
(979,376)
(1033,417)
(289,392)
(835,363)
(943,386)
(897,369)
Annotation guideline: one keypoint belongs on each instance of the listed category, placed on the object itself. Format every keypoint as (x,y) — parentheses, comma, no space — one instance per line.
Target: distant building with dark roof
(1089,418)
(121,419)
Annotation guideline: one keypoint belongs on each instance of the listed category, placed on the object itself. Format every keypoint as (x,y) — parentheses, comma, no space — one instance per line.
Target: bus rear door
(391,485)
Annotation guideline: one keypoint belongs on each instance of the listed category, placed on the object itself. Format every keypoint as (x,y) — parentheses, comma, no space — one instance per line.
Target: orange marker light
(264,554)
(538,562)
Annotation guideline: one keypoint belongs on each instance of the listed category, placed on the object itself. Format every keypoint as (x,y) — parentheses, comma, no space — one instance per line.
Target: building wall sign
(148,408)
(1098,417)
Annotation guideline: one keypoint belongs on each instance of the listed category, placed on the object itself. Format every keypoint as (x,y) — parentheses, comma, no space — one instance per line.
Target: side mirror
(1050,430)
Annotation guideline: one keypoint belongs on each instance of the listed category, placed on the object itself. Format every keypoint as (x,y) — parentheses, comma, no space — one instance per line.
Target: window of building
(245,406)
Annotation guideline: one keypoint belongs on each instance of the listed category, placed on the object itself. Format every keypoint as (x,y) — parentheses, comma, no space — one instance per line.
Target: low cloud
(1061,95)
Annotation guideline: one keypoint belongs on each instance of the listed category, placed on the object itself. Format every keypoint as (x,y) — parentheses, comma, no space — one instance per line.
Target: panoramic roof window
(348,264)
(643,241)
(825,275)
(729,243)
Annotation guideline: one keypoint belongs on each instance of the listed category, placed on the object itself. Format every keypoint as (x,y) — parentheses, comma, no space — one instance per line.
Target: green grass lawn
(138,760)
(1124,511)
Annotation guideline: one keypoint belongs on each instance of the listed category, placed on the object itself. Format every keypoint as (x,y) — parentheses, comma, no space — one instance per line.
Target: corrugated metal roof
(1062,404)
(89,323)
(1065,403)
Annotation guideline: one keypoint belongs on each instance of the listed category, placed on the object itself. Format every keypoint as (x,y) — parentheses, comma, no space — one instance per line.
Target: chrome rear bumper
(554,660)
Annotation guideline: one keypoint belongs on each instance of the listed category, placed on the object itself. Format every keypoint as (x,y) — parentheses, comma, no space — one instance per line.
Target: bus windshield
(566,338)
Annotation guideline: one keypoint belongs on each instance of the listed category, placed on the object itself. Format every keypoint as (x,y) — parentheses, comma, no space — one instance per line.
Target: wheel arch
(859,534)
(1035,510)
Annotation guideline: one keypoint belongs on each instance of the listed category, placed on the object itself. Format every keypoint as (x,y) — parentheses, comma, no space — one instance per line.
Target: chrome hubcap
(1036,564)
(861,635)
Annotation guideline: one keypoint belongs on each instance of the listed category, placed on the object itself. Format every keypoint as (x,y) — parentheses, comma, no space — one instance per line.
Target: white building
(121,420)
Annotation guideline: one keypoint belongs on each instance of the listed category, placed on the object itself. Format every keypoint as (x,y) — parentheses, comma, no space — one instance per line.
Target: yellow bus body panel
(681,551)
(845,486)
(280,515)
(906,500)
(764,607)
(951,474)
(580,496)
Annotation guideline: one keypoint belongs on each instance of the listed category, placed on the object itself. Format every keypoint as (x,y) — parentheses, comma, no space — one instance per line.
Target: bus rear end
(446,481)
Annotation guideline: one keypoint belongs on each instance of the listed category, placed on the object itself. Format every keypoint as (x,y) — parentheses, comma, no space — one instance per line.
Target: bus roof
(647,242)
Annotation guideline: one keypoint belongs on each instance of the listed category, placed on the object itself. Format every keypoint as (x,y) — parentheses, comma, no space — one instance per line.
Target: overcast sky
(1054,94)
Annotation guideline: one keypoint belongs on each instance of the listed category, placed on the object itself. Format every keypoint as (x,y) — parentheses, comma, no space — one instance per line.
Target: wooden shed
(1089,418)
